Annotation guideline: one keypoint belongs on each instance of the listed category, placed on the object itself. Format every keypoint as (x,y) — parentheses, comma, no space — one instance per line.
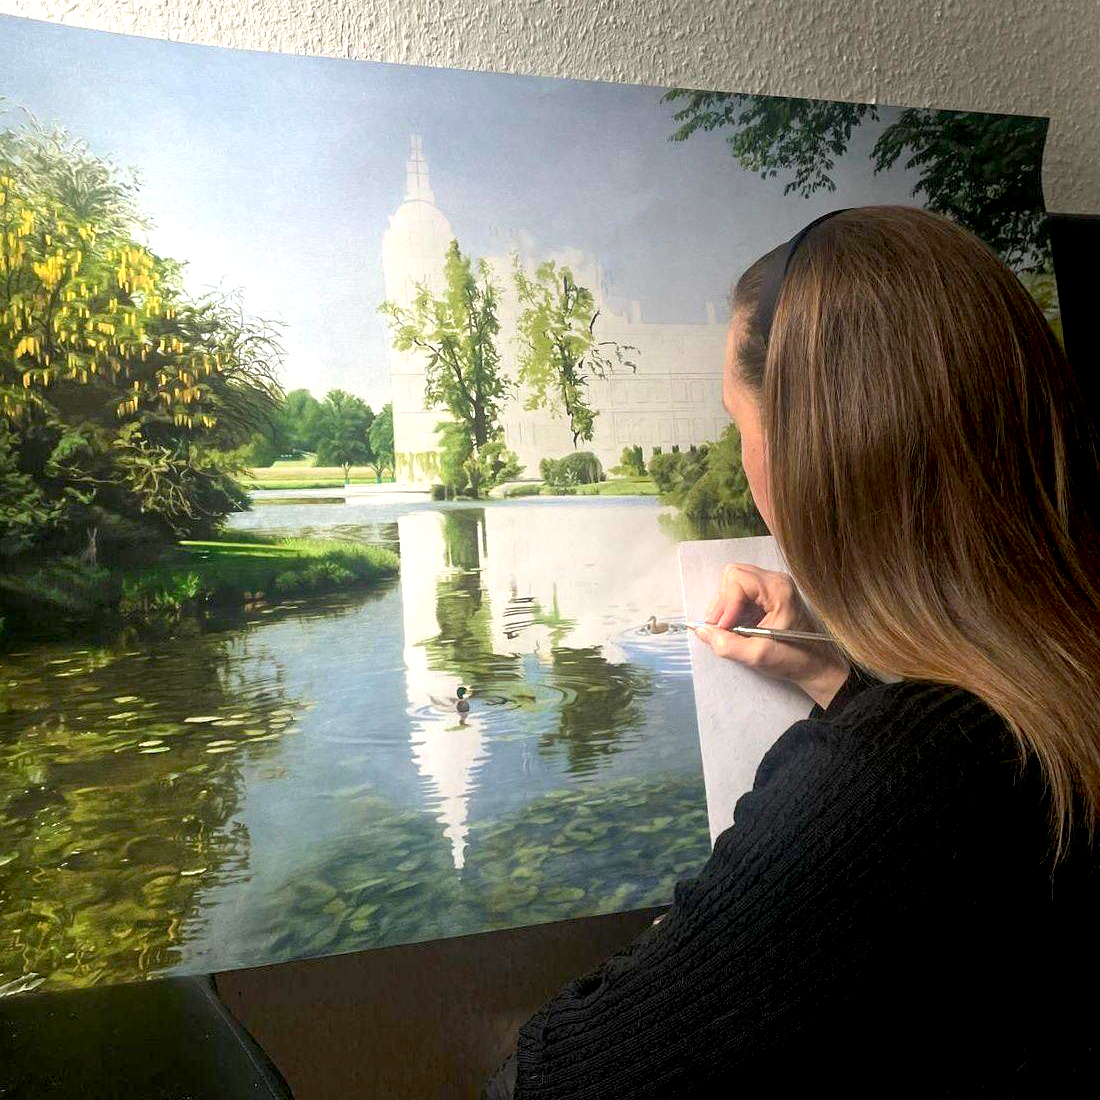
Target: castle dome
(416,242)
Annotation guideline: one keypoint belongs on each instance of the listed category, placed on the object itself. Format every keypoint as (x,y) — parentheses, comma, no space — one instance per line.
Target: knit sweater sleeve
(841,829)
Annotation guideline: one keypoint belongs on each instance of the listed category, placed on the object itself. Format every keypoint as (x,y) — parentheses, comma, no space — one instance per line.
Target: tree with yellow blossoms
(122,399)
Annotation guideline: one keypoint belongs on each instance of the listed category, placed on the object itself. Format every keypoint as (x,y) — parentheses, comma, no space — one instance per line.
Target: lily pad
(561,894)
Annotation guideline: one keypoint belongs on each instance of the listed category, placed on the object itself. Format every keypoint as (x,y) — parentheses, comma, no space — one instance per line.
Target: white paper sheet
(740,712)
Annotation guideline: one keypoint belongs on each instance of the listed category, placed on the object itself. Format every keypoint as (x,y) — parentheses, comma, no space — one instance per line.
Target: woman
(907,900)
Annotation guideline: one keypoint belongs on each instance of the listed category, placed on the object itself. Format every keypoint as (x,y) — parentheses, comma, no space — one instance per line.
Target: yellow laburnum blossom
(27,346)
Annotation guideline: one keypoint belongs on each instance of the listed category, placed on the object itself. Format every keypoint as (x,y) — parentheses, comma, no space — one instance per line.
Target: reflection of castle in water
(496,598)
(674,397)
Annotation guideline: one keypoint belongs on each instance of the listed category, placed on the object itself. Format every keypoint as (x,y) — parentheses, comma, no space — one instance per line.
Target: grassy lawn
(621,487)
(228,570)
(613,487)
(307,483)
(300,473)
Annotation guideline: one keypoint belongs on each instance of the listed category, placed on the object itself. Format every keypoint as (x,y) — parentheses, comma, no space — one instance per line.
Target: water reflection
(119,785)
(300,780)
(528,607)
(604,702)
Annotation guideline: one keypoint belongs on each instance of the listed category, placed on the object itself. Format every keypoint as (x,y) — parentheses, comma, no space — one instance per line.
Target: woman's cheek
(752,460)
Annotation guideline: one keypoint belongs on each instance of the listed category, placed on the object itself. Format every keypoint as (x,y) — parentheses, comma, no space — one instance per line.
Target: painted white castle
(674,397)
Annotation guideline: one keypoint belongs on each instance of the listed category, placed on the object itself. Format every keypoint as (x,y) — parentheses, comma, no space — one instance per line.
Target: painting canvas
(729,696)
(350,417)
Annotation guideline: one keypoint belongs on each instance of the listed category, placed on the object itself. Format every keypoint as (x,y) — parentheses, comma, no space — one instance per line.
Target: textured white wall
(1028,56)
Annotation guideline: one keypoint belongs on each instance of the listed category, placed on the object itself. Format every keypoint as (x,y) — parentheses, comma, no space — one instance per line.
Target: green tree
(457,332)
(454,453)
(709,485)
(343,432)
(25,510)
(126,402)
(560,353)
(293,429)
(631,463)
(261,450)
(982,170)
(298,423)
(381,441)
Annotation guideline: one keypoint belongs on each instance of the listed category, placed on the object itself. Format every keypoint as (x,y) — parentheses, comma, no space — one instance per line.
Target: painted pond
(300,781)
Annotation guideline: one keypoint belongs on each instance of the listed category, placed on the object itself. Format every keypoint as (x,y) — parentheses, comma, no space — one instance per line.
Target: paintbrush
(765,632)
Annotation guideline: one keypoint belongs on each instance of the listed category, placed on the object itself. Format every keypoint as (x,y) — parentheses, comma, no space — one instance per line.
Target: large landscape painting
(350,415)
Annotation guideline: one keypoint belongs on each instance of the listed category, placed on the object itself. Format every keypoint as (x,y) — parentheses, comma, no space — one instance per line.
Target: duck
(656,626)
(460,703)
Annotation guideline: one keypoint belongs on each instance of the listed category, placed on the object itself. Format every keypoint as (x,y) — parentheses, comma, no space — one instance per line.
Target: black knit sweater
(881,917)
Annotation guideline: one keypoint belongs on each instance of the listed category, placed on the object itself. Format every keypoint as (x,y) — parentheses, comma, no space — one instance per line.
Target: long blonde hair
(933,477)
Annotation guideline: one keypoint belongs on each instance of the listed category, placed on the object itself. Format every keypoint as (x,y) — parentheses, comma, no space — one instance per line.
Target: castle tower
(414,248)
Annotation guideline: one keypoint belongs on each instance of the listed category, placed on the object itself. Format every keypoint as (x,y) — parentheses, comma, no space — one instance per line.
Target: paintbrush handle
(768,632)
(786,635)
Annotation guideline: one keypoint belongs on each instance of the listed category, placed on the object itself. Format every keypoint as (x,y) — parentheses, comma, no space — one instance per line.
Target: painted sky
(276,176)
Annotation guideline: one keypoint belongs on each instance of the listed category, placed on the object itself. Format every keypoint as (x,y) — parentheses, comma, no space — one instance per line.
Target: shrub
(260,451)
(666,472)
(578,468)
(67,589)
(497,464)
(631,463)
(708,483)
(287,583)
(530,489)
(158,595)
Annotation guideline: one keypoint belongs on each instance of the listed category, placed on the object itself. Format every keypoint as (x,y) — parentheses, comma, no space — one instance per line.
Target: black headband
(777,272)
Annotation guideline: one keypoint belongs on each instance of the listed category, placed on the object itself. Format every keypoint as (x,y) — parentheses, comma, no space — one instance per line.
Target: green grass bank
(50,599)
(613,487)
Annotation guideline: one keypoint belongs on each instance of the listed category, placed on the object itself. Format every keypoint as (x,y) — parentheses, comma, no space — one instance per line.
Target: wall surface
(1009,55)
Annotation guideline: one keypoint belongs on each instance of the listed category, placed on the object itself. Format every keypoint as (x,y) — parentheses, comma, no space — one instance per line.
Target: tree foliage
(578,468)
(122,399)
(773,135)
(343,432)
(631,462)
(298,423)
(982,170)
(455,451)
(457,333)
(560,353)
(381,440)
(708,483)
(462,468)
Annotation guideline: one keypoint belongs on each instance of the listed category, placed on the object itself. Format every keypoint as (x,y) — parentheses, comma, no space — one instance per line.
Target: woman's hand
(750,596)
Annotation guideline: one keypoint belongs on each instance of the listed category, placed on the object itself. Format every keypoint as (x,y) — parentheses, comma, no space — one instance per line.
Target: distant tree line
(340,430)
